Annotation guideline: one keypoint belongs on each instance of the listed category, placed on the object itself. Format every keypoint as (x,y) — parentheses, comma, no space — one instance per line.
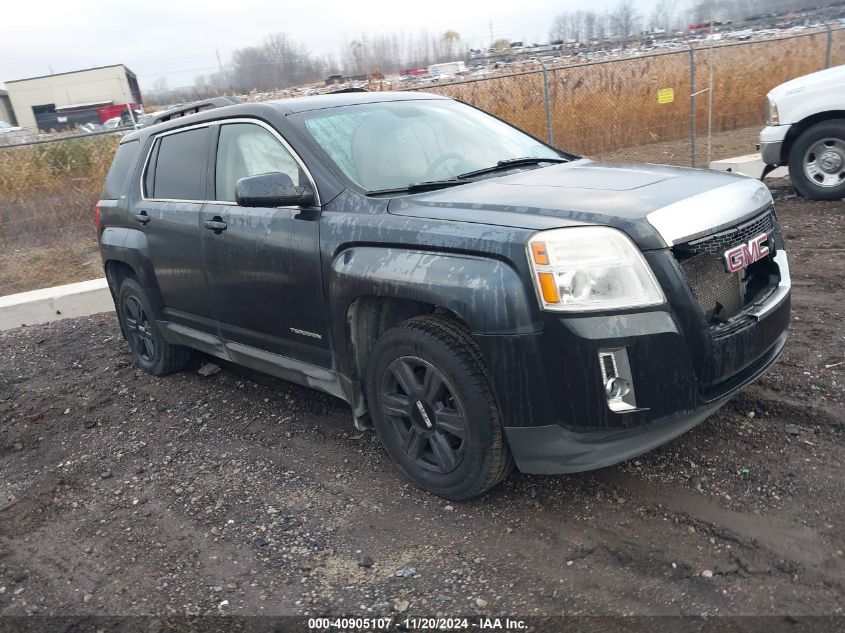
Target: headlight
(772,116)
(590,268)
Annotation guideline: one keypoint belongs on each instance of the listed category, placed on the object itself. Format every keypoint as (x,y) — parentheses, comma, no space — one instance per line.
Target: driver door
(263,268)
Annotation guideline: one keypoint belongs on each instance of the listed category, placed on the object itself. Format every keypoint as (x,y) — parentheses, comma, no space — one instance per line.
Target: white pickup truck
(805,130)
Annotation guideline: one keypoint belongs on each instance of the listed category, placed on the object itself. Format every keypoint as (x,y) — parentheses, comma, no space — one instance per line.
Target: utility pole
(710,91)
(491,31)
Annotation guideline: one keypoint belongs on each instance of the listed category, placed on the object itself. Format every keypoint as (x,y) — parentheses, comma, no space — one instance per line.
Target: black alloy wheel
(433,407)
(151,350)
(139,329)
(422,407)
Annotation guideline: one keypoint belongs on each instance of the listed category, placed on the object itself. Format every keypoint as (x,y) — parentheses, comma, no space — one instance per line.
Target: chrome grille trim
(718,243)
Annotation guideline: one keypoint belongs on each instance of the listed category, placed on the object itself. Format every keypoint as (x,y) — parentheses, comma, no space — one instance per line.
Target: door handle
(142,217)
(215,224)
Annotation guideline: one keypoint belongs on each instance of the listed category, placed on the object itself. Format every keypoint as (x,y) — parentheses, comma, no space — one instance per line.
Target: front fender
(815,105)
(486,293)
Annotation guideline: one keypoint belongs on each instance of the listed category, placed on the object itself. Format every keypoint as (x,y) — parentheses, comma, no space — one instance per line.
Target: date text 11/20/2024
(416,624)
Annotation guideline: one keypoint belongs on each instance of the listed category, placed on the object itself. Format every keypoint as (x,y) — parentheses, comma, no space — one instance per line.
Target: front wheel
(434,410)
(817,161)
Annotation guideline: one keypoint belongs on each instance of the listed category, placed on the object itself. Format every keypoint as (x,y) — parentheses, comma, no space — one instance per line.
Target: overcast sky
(177,39)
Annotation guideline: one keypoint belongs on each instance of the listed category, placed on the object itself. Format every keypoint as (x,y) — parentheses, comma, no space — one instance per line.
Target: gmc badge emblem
(744,255)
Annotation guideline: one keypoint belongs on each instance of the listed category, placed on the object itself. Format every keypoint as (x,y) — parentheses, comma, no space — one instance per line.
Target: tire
(433,409)
(817,161)
(137,320)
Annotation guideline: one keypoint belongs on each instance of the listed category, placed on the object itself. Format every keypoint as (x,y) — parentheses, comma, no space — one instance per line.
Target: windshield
(395,144)
(3,124)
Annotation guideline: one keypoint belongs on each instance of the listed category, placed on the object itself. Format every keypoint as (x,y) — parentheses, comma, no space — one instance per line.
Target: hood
(655,205)
(829,79)
(802,97)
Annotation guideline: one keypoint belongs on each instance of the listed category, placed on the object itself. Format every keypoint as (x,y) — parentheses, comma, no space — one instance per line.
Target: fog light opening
(617,388)
(616,380)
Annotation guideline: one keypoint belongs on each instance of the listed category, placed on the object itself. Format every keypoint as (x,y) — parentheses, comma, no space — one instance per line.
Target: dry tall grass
(47,198)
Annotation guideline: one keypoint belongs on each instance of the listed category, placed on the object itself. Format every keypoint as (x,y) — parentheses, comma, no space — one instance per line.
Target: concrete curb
(748,165)
(52,304)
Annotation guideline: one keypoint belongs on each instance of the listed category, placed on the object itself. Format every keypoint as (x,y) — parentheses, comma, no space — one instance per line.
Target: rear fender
(129,246)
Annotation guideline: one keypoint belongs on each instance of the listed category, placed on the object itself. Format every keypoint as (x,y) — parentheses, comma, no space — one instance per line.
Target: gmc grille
(722,295)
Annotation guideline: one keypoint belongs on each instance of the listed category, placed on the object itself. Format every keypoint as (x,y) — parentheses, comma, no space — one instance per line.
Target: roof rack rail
(191,108)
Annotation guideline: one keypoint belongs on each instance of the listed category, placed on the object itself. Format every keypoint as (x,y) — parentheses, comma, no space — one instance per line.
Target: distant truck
(447,69)
(805,130)
(120,110)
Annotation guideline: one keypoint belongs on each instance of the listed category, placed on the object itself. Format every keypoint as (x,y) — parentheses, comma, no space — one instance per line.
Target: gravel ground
(121,493)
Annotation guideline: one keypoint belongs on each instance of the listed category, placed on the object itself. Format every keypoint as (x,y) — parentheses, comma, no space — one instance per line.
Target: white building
(67,99)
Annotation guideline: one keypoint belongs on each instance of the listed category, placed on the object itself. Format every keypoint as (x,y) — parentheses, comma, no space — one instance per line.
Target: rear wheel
(152,353)
(434,410)
(817,161)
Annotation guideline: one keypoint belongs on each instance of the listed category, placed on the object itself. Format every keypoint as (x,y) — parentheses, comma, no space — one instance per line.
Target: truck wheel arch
(803,125)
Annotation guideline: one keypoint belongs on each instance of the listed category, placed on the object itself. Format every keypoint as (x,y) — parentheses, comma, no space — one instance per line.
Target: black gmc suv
(477,296)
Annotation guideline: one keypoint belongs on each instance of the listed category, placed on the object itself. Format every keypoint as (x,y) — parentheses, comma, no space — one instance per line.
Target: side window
(245,150)
(180,166)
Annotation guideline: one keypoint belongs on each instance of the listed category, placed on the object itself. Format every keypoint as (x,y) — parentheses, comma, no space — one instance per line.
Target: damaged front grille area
(718,293)
(722,295)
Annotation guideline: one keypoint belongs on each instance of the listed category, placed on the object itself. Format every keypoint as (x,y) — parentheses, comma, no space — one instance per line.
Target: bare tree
(590,25)
(451,38)
(663,16)
(560,25)
(277,63)
(624,20)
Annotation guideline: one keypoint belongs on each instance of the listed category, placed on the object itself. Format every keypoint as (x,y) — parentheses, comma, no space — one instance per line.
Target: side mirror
(274,189)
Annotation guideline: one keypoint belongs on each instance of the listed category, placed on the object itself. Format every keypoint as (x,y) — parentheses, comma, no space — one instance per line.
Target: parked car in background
(447,69)
(10,133)
(805,130)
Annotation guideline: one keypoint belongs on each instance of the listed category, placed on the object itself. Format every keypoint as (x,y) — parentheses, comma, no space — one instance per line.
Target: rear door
(174,188)
(263,269)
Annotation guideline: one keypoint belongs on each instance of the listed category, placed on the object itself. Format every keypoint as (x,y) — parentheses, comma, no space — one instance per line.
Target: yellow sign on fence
(666,95)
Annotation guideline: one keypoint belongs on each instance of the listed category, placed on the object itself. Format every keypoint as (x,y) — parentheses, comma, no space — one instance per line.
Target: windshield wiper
(427,185)
(511,162)
(430,185)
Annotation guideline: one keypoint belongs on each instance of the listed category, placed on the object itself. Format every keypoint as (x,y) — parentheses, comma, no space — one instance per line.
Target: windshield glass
(3,124)
(394,144)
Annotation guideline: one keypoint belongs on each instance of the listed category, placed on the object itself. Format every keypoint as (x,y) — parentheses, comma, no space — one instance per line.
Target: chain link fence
(680,107)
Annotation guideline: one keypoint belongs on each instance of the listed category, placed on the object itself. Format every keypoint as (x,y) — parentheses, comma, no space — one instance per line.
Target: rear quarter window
(124,161)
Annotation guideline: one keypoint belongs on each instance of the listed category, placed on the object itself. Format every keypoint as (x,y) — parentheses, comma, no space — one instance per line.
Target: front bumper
(552,449)
(555,410)
(771,143)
